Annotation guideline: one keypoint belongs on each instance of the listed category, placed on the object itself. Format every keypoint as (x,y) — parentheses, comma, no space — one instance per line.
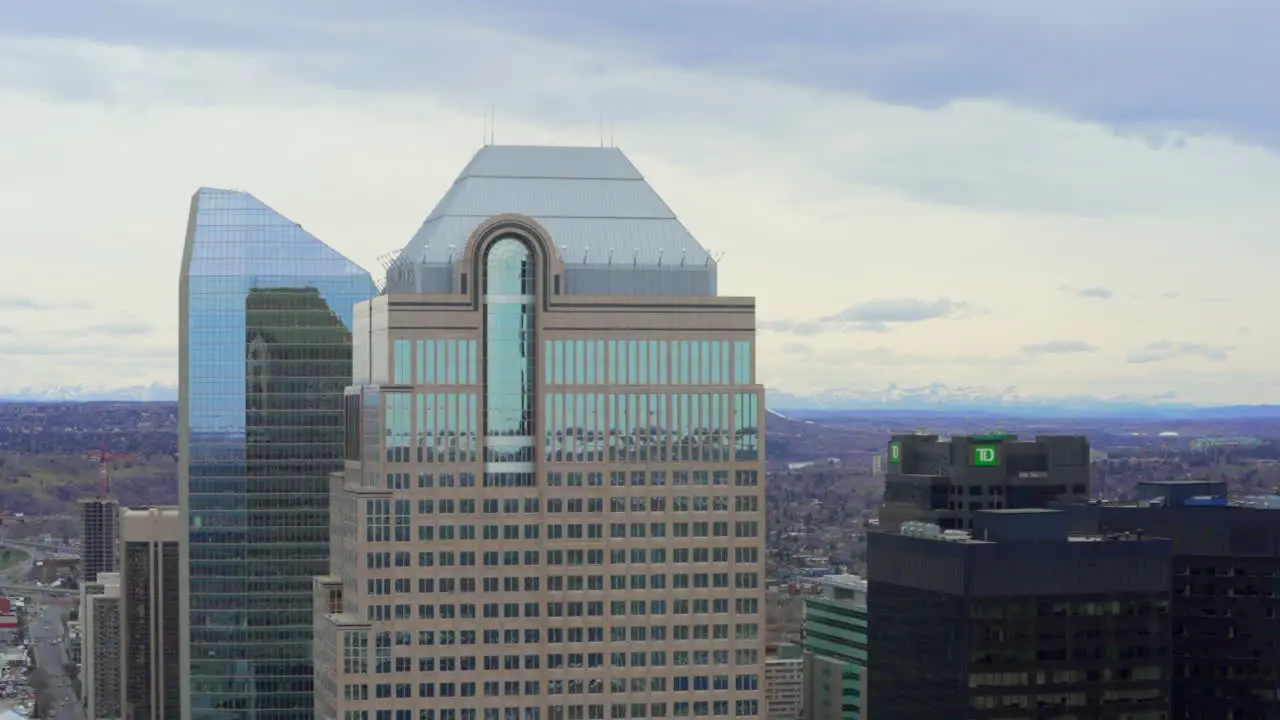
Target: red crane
(105,456)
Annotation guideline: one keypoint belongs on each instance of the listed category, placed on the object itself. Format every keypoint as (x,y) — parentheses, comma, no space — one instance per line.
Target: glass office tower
(265,312)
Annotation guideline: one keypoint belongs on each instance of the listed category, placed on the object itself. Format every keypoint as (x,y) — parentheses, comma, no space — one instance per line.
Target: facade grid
(265,354)
(554,509)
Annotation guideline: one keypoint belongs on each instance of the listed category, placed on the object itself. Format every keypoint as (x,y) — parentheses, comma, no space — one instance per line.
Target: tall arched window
(509,351)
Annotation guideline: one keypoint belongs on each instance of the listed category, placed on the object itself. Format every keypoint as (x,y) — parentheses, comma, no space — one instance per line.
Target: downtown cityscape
(525,477)
(634,361)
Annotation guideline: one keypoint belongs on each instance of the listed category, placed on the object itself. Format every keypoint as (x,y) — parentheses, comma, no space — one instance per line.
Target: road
(46,637)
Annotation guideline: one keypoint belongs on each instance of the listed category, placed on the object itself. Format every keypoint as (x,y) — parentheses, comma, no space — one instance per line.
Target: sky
(1021,197)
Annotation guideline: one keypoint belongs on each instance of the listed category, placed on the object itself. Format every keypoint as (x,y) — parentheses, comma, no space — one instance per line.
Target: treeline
(69,428)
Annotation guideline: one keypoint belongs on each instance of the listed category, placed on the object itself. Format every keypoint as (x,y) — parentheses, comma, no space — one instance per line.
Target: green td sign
(895,452)
(986,455)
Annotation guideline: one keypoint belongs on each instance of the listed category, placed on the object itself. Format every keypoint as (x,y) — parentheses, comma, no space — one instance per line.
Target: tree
(39,682)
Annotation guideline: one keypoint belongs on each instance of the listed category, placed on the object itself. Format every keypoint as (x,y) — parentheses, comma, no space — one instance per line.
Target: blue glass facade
(265,311)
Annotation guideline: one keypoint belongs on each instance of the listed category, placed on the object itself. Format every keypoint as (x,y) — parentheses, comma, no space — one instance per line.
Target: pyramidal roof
(597,207)
(235,233)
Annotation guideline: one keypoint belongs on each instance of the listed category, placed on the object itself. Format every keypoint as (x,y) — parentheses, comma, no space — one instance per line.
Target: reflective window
(267,314)
(510,353)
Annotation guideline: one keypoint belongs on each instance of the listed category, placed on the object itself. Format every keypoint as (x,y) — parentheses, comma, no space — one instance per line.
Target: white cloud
(820,200)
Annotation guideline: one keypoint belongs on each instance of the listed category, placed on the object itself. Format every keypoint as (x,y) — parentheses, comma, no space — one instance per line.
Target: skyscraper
(265,354)
(150,542)
(553,499)
(1016,618)
(99,524)
(946,481)
(1225,592)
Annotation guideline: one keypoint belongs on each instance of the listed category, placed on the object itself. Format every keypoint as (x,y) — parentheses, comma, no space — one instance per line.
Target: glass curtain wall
(266,312)
(509,364)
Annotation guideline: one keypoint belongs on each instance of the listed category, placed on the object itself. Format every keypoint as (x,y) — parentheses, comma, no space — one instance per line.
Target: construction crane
(105,456)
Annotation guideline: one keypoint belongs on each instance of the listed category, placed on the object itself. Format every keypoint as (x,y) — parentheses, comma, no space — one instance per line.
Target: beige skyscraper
(552,507)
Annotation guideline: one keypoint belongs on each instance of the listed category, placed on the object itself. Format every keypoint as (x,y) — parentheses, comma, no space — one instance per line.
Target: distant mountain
(941,399)
(155,392)
(936,398)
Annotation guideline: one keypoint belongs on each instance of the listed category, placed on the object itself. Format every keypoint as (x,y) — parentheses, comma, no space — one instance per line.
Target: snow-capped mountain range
(155,392)
(1007,402)
(927,398)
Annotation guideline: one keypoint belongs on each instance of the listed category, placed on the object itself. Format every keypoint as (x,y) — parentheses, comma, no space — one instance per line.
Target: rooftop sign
(986,455)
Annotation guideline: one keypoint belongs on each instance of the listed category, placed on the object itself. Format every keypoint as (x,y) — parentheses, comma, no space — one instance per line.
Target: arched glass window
(509,340)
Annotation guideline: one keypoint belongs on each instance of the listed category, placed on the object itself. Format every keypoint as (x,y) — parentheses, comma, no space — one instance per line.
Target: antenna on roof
(601,128)
(564,252)
(451,249)
(635,256)
(611,135)
(610,256)
(660,257)
(683,253)
(493,124)
(386,261)
(585,251)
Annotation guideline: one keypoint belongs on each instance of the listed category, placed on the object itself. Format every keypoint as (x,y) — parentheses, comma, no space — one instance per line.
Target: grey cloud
(883,312)
(797,348)
(1166,350)
(18,302)
(1096,292)
(793,327)
(118,329)
(90,351)
(22,302)
(884,357)
(875,316)
(1059,347)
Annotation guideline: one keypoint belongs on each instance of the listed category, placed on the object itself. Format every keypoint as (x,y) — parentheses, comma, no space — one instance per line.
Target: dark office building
(1017,620)
(150,620)
(945,481)
(1225,592)
(99,521)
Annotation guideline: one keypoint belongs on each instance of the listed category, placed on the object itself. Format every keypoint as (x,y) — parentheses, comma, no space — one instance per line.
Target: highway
(46,638)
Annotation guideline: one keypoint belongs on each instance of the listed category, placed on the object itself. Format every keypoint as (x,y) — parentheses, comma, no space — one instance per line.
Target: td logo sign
(895,452)
(985,456)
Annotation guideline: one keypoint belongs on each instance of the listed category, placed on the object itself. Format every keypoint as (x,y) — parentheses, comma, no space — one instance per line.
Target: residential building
(1015,617)
(945,481)
(150,541)
(783,681)
(552,506)
(99,532)
(835,650)
(1225,591)
(265,312)
(100,616)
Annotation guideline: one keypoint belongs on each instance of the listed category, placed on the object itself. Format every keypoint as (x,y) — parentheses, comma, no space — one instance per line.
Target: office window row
(616,711)
(386,560)
(647,362)
(434,362)
(643,427)
(581,427)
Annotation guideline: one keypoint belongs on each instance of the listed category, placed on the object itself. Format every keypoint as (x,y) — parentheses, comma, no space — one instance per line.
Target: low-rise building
(783,681)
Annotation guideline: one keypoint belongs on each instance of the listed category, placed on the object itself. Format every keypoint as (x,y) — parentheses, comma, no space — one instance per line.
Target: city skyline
(1064,238)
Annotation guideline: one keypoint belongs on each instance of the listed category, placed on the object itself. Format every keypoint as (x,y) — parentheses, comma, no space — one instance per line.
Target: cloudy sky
(1063,198)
